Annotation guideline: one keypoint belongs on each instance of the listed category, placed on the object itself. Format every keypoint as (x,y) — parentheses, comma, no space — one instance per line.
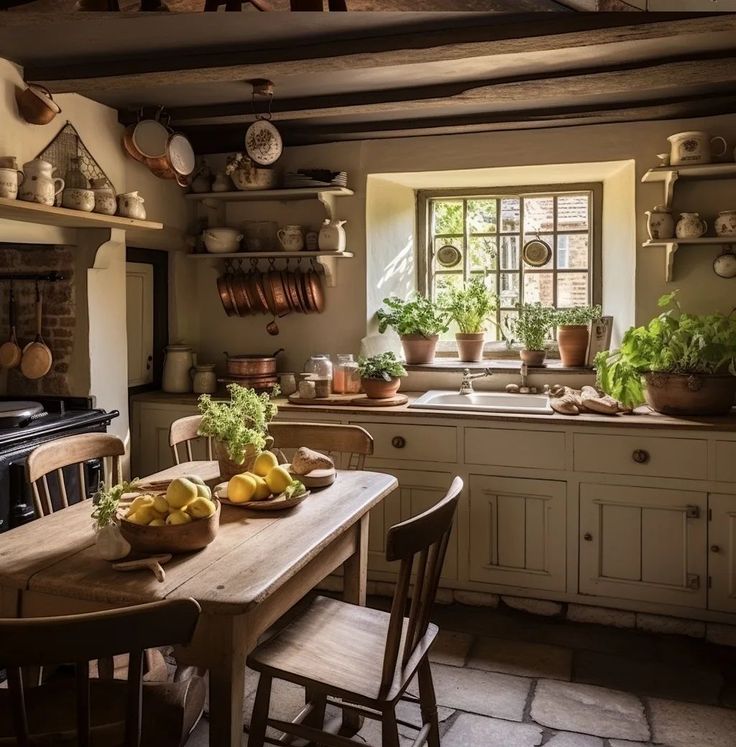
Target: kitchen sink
(436,399)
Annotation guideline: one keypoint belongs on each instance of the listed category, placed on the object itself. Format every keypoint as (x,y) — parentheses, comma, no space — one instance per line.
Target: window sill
(497,366)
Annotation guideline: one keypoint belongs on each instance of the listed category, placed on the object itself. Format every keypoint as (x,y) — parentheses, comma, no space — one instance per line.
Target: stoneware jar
(291,238)
(78,199)
(10,180)
(726,223)
(177,369)
(690,226)
(130,205)
(694,147)
(660,224)
(104,197)
(332,236)
(204,380)
(39,184)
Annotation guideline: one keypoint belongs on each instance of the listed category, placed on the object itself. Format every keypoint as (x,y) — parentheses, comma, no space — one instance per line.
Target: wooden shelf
(259,195)
(669,175)
(31,212)
(672,245)
(269,255)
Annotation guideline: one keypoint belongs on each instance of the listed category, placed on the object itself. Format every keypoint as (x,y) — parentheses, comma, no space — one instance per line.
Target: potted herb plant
(573,333)
(531,328)
(380,375)
(469,307)
(418,322)
(680,364)
(238,428)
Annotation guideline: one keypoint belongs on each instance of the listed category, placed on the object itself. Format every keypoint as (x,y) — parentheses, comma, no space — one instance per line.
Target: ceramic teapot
(660,224)
(332,236)
(690,226)
(130,205)
(39,184)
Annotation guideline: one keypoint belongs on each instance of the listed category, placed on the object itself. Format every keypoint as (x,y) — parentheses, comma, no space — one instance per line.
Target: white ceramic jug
(660,224)
(332,236)
(10,180)
(690,226)
(39,184)
(130,205)
(177,369)
(291,238)
(726,223)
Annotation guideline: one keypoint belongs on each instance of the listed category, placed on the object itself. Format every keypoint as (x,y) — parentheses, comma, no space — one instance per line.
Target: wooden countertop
(642,419)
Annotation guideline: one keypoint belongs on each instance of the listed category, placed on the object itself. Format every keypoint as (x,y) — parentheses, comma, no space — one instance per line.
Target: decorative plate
(536,253)
(263,142)
(724,265)
(448,255)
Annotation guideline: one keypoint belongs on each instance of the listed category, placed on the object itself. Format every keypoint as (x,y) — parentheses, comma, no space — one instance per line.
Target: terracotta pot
(380,388)
(470,346)
(690,394)
(573,343)
(229,468)
(418,348)
(533,358)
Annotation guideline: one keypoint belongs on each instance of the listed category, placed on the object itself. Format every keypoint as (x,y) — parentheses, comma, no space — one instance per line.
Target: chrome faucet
(466,385)
(523,387)
(524,375)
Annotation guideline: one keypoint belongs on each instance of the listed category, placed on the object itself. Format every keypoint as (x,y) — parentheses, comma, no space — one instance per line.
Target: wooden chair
(184,431)
(110,712)
(351,440)
(365,658)
(213,5)
(54,456)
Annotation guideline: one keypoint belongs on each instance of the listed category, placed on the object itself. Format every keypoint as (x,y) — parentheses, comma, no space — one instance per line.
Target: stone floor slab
(486,693)
(589,710)
(568,739)
(521,658)
(451,648)
(470,729)
(687,724)
(371,731)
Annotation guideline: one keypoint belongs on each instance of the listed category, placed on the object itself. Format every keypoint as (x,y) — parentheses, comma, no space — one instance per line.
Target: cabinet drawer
(641,455)
(429,443)
(726,461)
(510,448)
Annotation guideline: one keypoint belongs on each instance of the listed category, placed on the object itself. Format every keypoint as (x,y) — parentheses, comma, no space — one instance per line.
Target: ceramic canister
(177,369)
(204,380)
(10,180)
(690,226)
(105,202)
(726,223)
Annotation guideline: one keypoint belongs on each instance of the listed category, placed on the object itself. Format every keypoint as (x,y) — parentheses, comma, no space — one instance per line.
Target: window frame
(424,239)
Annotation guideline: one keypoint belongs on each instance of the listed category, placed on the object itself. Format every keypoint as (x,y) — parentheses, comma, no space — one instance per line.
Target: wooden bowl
(175,538)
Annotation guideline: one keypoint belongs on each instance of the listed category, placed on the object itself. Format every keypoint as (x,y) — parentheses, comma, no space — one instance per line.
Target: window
(483,234)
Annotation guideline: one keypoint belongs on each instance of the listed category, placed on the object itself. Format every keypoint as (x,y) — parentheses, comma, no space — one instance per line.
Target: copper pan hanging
(241,299)
(279,302)
(303,295)
(291,283)
(316,293)
(257,292)
(231,293)
(225,298)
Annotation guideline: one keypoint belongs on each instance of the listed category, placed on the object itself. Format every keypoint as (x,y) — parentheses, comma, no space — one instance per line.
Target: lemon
(134,518)
(278,479)
(241,488)
(200,508)
(262,490)
(144,515)
(156,523)
(264,463)
(178,517)
(160,504)
(141,500)
(180,492)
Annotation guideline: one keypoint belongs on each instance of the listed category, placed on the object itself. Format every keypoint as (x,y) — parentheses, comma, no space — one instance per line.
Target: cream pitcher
(332,236)
(39,184)
(690,226)
(660,224)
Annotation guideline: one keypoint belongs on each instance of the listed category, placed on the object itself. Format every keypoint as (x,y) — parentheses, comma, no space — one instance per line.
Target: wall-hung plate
(724,265)
(448,255)
(263,143)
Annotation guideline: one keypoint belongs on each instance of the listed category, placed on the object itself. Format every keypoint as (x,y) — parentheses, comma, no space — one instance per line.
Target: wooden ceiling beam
(503,36)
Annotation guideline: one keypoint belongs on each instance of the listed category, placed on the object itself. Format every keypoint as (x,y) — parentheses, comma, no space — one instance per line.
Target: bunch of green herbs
(415,316)
(384,366)
(470,307)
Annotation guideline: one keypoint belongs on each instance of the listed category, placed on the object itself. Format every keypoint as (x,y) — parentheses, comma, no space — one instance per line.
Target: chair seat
(337,645)
(170,711)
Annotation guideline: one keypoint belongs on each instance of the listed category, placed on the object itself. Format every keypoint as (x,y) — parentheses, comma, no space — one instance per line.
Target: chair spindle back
(352,440)
(185,431)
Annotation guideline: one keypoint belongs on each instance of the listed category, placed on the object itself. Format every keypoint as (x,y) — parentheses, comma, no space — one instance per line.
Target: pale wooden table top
(253,554)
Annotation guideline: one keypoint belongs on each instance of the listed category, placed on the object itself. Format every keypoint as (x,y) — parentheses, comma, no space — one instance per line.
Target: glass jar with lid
(346,379)
(319,366)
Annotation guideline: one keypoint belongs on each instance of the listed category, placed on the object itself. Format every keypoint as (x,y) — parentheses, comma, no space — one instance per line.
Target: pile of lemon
(187,498)
(266,479)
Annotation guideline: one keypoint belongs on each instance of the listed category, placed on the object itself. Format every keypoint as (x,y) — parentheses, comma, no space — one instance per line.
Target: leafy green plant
(415,316)
(384,366)
(106,500)
(579,315)
(532,325)
(469,307)
(672,342)
(241,422)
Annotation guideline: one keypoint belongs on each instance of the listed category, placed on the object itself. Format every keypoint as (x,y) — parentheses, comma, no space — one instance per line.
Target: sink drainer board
(350,399)
(535,404)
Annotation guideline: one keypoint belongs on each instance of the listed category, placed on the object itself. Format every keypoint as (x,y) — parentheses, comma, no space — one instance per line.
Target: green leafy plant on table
(111,545)
(577,316)
(531,328)
(418,322)
(384,366)
(470,307)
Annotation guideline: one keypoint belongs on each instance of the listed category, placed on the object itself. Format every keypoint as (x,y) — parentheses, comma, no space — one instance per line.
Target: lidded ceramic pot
(130,205)
(660,224)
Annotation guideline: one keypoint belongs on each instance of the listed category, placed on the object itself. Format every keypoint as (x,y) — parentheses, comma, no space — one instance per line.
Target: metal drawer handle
(398,442)
(588,537)
(640,456)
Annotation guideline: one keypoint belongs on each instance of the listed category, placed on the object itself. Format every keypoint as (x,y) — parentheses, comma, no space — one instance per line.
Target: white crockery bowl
(222,240)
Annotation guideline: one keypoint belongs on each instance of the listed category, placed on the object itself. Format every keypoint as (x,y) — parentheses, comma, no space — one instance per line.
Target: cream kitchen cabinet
(517,532)
(722,552)
(646,544)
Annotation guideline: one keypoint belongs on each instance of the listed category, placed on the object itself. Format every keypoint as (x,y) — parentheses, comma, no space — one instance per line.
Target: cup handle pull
(59,181)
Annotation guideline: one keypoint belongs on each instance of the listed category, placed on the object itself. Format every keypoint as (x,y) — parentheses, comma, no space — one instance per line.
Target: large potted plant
(418,322)
(680,364)
(530,328)
(573,333)
(238,428)
(470,308)
(380,375)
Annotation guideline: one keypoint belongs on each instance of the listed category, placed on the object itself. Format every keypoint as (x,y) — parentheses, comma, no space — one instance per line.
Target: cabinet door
(152,452)
(517,532)
(722,556)
(139,321)
(417,492)
(643,543)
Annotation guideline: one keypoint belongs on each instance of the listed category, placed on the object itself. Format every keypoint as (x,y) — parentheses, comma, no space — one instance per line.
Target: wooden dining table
(259,565)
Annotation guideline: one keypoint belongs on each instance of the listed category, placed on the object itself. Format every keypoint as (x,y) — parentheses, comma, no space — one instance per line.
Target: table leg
(355,568)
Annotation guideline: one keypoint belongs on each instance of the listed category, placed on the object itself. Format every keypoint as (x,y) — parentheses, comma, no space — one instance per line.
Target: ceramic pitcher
(10,180)
(726,223)
(130,205)
(39,184)
(690,226)
(291,238)
(332,236)
(660,224)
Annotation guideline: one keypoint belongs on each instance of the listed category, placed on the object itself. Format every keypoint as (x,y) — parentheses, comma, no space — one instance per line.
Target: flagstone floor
(505,678)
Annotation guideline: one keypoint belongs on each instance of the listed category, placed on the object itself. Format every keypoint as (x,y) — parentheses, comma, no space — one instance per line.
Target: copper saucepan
(251,365)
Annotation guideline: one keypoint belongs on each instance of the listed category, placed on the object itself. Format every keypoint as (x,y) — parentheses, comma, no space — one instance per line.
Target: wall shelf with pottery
(669,175)
(672,245)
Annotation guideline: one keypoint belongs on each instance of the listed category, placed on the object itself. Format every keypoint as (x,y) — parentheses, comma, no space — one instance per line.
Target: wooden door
(647,544)
(722,552)
(517,532)
(139,317)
